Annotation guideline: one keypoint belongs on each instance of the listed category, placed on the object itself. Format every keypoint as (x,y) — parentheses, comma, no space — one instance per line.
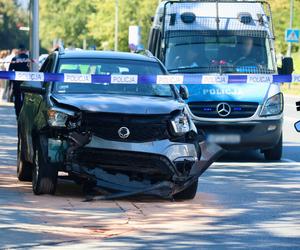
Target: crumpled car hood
(119,103)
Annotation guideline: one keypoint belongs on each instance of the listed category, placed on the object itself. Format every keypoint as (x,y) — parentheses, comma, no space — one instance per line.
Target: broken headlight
(180,124)
(58,117)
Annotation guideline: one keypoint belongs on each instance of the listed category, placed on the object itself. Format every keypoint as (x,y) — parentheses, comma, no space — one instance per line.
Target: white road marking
(255,164)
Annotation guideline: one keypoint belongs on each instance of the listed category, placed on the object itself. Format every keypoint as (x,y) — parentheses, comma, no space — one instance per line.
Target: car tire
(44,177)
(188,193)
(24,169)
(274,154)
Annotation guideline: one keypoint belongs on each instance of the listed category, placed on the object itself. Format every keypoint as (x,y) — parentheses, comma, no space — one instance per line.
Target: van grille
(209,109)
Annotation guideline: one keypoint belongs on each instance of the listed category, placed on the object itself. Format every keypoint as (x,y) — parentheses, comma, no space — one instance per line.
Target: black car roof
(104,55)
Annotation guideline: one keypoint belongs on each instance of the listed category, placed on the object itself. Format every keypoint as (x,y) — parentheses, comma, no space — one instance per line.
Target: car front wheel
(44,178)
(188,193)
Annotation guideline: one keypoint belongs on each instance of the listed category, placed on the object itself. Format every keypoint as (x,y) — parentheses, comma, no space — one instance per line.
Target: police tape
(19,61)
(147,79)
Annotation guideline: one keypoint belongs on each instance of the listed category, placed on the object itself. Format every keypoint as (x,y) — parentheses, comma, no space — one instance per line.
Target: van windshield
(226,52)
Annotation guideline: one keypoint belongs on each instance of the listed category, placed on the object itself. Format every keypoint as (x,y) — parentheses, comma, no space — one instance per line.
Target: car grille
(143,128)
(209,109)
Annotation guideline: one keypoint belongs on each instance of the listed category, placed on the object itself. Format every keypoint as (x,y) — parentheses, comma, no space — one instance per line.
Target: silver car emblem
(124,132)
(224,109)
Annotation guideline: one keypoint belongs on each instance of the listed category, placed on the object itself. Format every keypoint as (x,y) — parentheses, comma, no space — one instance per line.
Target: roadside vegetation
(12,18)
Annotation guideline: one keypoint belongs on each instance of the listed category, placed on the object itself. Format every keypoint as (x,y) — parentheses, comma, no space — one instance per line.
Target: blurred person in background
(7,95)
(9,58)
(19,63)
(3,55)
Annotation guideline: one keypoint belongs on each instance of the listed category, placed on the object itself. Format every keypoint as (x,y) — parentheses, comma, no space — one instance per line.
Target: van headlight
(273,106)
(180,124)
(57,118)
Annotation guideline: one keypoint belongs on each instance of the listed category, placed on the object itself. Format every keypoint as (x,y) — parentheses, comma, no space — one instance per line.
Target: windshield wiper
(212,69)
(163,96)
(186,68)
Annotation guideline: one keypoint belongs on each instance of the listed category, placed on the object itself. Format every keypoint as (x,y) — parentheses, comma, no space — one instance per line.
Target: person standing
(7,95)
(3,55)
(19,63)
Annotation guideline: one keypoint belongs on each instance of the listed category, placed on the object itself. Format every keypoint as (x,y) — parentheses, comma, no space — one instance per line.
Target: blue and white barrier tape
(147,79)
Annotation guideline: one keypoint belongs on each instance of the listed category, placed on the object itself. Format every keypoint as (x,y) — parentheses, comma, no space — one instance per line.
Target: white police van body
(214,39)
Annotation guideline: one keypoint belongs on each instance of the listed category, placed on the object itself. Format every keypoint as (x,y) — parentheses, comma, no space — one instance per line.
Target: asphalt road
(242,202)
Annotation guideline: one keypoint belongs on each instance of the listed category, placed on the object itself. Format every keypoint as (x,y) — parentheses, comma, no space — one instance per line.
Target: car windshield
(112,67)
(226,52)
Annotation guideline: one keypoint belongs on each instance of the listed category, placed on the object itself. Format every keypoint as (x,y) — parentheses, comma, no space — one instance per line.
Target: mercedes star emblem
(124,132)
(224,109)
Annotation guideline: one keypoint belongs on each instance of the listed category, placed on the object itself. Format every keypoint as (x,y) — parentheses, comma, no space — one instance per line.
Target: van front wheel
(274,154)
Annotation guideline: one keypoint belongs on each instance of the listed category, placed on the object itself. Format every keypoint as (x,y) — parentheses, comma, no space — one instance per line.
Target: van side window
(155,42)
(151,44)
(45,65)
(157,52)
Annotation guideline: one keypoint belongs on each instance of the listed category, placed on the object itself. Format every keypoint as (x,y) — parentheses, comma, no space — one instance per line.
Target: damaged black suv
(122,138)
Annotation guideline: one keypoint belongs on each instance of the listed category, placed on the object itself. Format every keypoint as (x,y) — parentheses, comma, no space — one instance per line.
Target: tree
(131,12)
(11,18)
(66,20)
(281,19)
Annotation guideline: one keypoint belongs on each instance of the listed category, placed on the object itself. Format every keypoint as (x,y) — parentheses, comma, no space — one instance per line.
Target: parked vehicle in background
(219,38)
(42,59)
(122,137)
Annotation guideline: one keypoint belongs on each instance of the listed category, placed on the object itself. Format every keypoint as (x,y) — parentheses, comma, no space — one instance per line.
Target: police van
(215,39)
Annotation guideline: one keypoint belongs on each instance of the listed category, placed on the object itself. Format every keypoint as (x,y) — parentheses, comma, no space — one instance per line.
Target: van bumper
(232,136)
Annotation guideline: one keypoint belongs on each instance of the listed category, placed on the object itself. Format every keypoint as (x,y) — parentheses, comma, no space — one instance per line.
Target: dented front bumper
(161,168)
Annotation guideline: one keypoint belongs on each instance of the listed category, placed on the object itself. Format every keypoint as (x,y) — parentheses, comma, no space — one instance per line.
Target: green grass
(296,58)
(294,90)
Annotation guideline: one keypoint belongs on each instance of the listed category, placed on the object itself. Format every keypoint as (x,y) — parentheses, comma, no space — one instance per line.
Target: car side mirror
(33,87)
(287,67)
(297,126)
(184,92)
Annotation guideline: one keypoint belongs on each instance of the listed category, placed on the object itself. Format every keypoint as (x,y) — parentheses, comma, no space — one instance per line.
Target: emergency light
(188,17)
(245,18)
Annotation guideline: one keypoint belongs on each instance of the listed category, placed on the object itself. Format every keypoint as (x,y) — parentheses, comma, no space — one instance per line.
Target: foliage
(93,20)
(64,19)
(11,18)
(77,20)
(281,19)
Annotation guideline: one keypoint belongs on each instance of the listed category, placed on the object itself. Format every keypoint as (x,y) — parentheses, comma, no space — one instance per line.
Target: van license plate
(224,139)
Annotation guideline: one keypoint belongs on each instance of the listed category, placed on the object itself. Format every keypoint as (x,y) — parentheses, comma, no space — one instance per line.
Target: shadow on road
(242,202)
(8,140)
